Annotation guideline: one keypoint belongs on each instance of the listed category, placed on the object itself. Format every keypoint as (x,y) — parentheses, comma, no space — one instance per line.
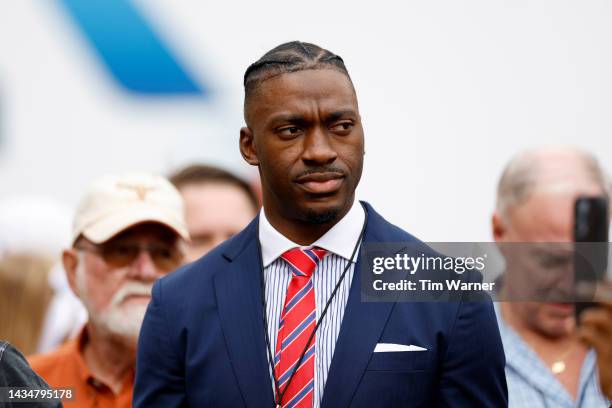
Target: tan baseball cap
(115,203)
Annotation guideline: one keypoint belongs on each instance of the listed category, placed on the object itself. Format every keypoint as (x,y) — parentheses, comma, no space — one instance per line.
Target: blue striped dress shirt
(531,383)
(339,241)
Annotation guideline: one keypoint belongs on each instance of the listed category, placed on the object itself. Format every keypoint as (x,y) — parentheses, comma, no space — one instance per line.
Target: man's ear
(498,227)
(70,260)
(247,146)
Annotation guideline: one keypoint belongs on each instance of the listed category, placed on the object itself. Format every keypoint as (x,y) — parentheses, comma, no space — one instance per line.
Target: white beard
(123,322)
(119,321)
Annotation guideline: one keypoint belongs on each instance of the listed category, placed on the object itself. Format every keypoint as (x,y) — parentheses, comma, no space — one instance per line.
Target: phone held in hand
(591,227)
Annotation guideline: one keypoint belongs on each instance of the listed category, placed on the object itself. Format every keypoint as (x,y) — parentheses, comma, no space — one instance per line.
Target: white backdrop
(448,92)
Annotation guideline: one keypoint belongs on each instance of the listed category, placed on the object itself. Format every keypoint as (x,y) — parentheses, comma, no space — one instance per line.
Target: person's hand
(595,330)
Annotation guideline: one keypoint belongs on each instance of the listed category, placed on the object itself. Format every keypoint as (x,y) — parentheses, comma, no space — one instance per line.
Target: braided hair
(290,57)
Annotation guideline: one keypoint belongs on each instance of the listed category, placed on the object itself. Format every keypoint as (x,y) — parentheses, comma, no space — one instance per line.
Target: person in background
(546,364)
(128,231)
(25,294)
(217,206)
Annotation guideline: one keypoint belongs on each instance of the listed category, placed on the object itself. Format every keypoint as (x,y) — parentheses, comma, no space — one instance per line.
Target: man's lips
(321,183)
(559,309)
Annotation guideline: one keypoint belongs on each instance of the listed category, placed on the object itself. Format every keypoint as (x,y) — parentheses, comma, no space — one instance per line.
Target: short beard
(120,323)
(324,217)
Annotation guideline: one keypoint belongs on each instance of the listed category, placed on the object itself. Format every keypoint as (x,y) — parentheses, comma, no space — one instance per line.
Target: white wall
(448,92)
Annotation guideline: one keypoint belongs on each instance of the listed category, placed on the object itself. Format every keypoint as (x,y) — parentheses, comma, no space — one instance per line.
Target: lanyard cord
(279,394)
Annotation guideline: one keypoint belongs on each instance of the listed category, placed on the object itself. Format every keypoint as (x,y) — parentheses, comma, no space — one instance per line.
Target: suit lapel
(362,326)
(238,291)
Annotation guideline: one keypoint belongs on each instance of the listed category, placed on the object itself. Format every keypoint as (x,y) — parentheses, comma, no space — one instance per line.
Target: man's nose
(143,267)
(318,148)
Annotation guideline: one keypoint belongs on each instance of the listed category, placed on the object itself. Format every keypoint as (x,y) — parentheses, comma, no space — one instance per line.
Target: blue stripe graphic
(310,319)
(312,256)
(296,299)
(298,272)
(285,377)
(295,269)
(296,399)
(134,54)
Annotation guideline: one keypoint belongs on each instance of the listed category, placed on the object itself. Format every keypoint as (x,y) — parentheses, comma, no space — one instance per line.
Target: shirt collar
(340,239)
(84,372)
(521,358)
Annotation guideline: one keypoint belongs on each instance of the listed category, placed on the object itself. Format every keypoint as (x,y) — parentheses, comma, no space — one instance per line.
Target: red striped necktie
(298,321)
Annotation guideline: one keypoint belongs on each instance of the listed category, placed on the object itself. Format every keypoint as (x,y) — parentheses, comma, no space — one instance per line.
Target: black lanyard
(279,394)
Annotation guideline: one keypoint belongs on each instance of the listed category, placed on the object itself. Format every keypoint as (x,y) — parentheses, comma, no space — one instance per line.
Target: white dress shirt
(339,241)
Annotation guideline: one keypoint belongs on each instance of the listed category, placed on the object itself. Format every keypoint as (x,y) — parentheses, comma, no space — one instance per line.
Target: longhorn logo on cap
(140,189)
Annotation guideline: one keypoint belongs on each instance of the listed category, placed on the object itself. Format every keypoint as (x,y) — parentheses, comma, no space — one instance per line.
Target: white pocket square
(390,347)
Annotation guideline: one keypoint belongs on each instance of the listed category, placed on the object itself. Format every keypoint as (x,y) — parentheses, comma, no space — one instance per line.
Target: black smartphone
(591,226)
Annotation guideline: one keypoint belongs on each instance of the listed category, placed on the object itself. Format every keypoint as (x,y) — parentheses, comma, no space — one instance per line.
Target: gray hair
(521,176)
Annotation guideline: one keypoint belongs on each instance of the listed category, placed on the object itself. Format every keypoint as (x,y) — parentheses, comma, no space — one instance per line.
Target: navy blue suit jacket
(202,342)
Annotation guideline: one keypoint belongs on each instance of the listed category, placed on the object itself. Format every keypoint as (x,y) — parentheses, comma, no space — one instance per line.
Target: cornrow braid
(290,57)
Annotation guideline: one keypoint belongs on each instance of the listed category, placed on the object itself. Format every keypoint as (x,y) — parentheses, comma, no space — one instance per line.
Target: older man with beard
(128,231)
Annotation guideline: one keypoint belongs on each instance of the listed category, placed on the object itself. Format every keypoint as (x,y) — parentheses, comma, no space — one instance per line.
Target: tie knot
(303,262)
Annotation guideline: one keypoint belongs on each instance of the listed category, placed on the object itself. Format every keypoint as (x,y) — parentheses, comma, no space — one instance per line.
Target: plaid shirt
(532,385)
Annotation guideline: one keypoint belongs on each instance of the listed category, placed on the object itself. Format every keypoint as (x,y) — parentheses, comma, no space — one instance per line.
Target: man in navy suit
(273,316)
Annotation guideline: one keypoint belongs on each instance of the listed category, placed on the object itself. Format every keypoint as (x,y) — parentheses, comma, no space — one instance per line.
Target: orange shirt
(66,368)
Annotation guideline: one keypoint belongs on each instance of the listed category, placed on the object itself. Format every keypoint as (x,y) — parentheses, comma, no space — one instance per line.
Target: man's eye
(290,131)
(164,253)
(342,126)
(119,251)
(122,249)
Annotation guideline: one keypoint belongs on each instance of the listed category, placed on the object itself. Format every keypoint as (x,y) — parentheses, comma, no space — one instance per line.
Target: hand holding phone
(591,225)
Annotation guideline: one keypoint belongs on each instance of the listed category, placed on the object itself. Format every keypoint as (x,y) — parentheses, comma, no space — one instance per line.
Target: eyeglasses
(119,255)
